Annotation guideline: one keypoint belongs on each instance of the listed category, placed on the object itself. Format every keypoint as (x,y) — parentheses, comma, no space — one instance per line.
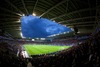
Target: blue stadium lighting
(36,27)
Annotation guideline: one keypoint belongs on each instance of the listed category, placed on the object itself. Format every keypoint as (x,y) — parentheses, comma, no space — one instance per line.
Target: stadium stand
(85,54)
(26,22)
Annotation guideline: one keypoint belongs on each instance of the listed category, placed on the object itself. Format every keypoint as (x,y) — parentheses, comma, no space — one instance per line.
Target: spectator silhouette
(29,64)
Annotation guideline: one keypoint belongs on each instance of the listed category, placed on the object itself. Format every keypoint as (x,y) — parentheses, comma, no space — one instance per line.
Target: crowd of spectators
(9,58)
(85,54)
(71,41)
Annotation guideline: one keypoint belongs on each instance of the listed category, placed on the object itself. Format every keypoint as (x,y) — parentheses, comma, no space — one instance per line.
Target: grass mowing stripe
(52,48)
(40,49)
(34,50)
(27,50)
(43,49)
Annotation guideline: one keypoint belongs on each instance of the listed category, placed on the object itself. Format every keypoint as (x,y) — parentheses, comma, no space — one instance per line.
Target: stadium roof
(82,13)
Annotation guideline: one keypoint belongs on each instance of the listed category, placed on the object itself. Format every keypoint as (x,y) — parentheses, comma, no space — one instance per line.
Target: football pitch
(38,49)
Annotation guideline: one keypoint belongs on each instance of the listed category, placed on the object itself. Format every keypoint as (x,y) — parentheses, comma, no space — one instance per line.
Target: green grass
(42,49)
